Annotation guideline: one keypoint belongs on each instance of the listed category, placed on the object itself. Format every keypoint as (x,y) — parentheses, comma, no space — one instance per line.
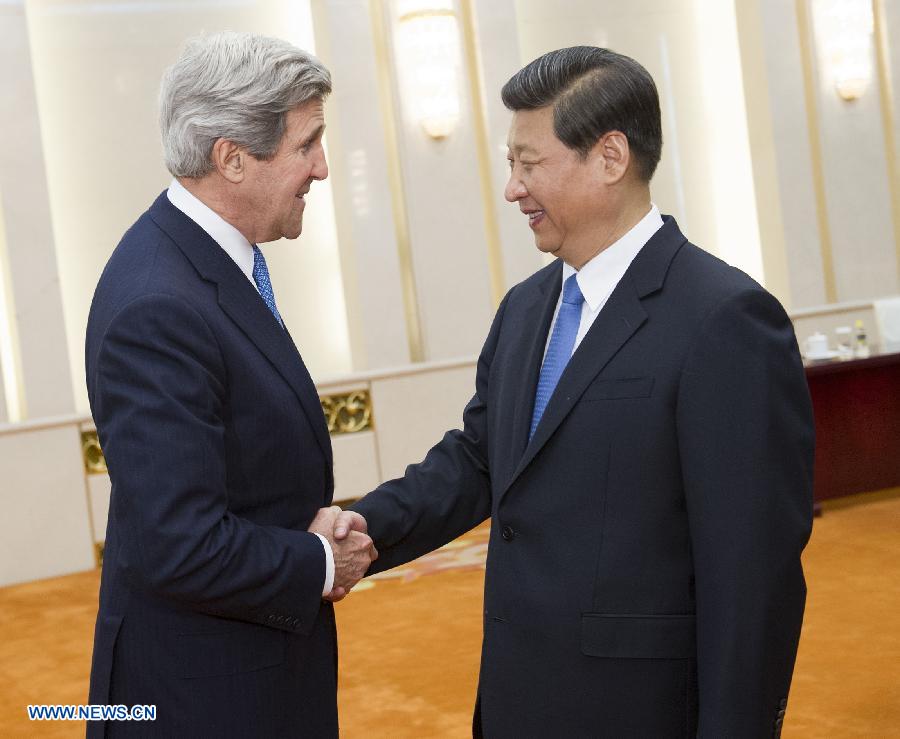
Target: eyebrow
(317,134)
(520,148)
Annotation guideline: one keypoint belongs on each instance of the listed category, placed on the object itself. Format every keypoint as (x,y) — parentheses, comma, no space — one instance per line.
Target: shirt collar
(223,233)
(599,277)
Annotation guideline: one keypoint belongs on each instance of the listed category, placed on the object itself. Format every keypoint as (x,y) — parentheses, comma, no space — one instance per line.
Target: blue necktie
(559,350)
(261,278)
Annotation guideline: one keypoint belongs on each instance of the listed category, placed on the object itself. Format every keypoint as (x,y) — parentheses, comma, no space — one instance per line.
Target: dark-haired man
(641,438)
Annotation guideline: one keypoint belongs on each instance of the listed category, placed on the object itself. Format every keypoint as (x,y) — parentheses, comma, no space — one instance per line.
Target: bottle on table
(861,350)
(844,342)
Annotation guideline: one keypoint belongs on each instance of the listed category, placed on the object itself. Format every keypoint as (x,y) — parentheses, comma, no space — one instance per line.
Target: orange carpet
(847,677)
(410,639)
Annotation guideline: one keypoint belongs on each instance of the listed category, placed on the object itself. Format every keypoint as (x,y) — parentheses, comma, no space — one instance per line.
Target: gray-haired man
(211,599)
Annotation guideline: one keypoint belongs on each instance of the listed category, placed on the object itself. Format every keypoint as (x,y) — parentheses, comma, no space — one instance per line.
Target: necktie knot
(263,283)
(571,292)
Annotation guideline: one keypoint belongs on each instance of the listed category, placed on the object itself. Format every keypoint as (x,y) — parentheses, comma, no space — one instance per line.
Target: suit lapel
(536,318)
(246,308)
(617,322)
(252,315)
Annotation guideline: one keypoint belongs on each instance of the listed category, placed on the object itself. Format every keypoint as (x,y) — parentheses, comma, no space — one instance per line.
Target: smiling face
(562,194)
(273,190)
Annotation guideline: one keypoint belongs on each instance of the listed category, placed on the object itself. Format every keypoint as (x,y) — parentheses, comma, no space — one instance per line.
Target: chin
(292,233)
(546,248)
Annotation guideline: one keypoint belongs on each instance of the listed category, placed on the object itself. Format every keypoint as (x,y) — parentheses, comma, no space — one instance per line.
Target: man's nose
(515,190)
(320,168)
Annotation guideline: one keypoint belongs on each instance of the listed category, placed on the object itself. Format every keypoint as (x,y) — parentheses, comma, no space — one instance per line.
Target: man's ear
(230,160)
(613,156)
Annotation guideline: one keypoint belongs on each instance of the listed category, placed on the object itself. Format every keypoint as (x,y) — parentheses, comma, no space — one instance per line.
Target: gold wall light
(843,30)
(428,59)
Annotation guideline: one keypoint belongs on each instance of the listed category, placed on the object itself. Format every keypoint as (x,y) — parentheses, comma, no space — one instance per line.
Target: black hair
(593,91)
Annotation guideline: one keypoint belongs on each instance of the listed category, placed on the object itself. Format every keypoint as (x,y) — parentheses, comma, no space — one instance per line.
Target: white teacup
(816,345)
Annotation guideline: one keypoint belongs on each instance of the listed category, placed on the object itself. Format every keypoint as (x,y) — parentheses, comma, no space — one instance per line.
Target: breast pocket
(619,388)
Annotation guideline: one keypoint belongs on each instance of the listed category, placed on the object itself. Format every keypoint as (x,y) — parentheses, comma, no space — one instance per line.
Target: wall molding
(386,94)
(805,39)
(886,97)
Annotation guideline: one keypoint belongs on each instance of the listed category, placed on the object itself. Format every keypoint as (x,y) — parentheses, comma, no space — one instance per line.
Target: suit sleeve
(745,435)
(158,400)
(446,494)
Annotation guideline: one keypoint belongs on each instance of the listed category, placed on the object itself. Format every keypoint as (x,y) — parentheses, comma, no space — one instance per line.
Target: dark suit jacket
(643,574)
(210,601)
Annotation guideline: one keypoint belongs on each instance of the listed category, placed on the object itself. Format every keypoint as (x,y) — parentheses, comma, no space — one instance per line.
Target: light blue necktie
(559,350)
(261,278)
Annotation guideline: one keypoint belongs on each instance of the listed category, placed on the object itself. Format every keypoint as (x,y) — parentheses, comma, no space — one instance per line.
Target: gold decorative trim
(383,68)
(94,461)
(804,32)
(348,413)
(345,413)
(482,143)
(885,88)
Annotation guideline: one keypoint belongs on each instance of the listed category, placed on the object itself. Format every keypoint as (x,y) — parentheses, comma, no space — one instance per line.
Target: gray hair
(236,86)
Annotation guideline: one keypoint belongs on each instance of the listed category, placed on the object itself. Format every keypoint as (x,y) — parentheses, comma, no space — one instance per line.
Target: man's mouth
(534,216)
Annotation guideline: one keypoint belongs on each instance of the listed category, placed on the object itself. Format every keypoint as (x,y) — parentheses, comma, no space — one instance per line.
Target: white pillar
(500,58)
(31,257)
(378,320)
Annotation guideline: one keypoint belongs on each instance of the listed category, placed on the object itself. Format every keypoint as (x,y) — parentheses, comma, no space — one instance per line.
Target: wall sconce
(428,57)
(843,31)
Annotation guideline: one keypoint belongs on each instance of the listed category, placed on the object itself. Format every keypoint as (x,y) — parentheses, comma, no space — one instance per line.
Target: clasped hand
(353,549)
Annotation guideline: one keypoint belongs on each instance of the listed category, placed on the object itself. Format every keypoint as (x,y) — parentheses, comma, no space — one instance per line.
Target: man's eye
(309,146)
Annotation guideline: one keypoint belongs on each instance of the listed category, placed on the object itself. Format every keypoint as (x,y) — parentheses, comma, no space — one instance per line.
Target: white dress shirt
(240,250)
(599,277)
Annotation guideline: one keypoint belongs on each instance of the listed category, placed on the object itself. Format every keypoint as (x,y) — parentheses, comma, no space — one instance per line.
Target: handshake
(353,549)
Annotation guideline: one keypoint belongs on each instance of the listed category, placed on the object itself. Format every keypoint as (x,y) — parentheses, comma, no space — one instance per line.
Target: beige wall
(45,529)
(33,336)
(821,163)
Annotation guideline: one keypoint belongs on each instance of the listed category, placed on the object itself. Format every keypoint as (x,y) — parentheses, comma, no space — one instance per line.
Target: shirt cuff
(329,566)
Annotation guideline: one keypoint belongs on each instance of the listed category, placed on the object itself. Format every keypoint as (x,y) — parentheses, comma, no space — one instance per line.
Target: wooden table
(857,413)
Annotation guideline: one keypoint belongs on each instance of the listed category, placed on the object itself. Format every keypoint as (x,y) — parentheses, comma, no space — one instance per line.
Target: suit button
(778,722)
(507,533)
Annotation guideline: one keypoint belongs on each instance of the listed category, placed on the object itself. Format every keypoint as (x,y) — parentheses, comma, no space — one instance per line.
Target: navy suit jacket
(643,573)
(219,456)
